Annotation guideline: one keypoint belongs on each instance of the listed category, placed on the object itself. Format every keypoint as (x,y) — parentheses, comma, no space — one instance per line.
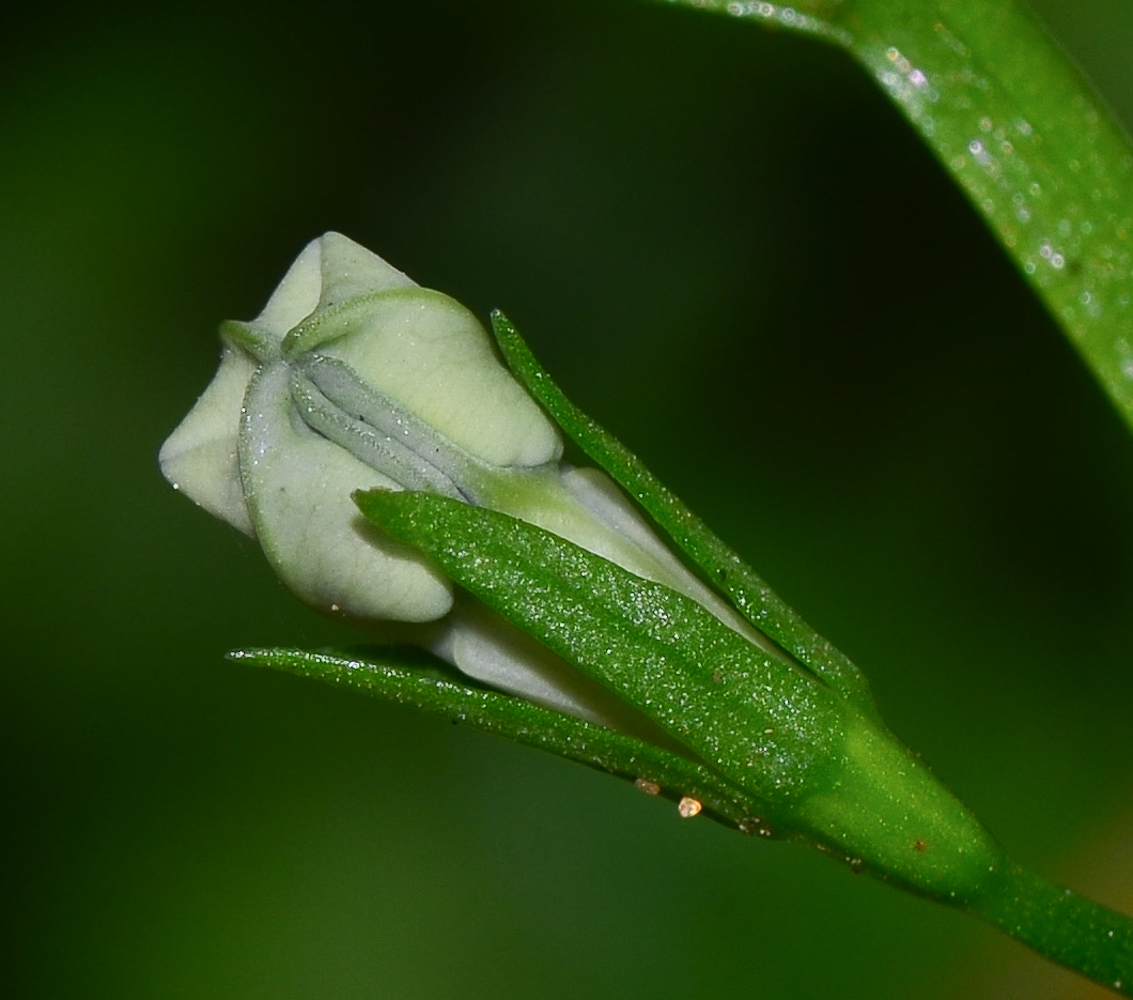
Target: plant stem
(1051,172)
(1020,130)
(1068,928)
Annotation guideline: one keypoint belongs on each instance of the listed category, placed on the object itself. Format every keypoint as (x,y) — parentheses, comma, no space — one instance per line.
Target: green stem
(1020,130)
(1051,172)
(1068,928)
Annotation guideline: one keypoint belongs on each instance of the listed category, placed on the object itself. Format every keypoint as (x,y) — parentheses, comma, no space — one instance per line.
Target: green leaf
(761,722)
(408,676)
(1020,130)
(824,768)
(751,595)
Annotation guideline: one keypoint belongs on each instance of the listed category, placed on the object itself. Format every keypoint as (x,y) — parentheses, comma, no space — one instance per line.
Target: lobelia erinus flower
(396,474)
(354,377)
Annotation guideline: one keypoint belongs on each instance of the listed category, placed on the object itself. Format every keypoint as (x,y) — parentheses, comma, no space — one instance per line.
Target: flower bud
(352,378)
(361,422)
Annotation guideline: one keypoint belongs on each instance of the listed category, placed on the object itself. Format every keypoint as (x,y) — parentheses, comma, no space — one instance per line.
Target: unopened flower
(352,378)
(363,430)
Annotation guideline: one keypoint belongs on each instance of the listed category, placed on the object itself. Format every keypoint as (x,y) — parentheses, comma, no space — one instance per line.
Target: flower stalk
(395,473)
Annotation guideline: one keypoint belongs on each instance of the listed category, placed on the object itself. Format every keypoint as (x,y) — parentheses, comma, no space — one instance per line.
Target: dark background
(732,251)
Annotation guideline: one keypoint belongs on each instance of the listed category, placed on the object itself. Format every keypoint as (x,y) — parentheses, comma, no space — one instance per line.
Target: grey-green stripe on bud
(353,378)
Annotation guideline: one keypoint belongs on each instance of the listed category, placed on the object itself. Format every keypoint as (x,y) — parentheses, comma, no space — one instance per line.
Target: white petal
(298,486)
(639,549)
(484,646)
(200,456)
(297,295)
(432,355)
(348,269)
(329,270)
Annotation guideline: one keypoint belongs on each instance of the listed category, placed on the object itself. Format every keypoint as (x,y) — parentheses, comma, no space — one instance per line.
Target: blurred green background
(732,251)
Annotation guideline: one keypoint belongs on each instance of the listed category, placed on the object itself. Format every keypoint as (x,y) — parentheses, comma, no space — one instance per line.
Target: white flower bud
(249,454)
(354,377)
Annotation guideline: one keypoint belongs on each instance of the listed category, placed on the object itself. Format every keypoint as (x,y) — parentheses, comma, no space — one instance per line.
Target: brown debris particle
(647,786)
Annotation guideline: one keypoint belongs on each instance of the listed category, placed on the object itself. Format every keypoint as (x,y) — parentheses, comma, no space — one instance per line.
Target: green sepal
(721,566)
(408,676)
(819,765)
(761,722)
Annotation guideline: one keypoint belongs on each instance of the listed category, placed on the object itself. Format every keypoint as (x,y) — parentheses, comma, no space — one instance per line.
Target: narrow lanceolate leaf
(1019,129)
(762,722)
(751,595)
(408,676)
